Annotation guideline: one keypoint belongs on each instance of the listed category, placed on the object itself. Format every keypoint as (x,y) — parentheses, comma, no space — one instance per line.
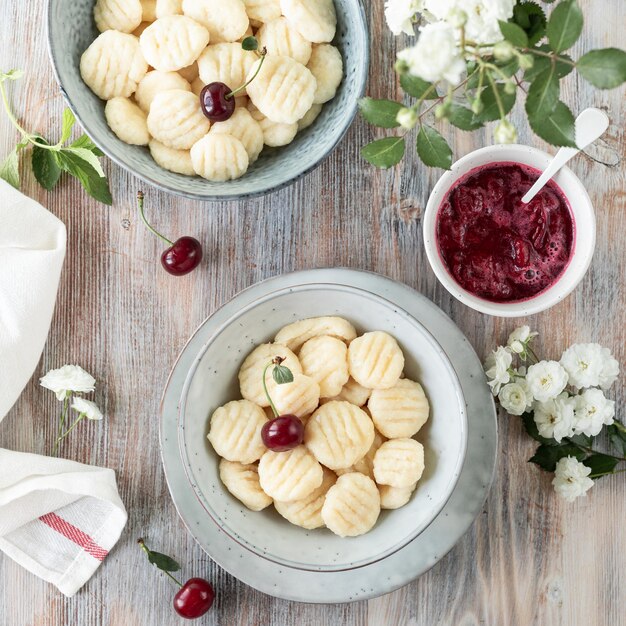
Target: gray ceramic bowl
(70,31)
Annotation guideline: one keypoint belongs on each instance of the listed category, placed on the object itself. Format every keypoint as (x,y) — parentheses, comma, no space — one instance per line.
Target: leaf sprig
(79,159)
(531,58)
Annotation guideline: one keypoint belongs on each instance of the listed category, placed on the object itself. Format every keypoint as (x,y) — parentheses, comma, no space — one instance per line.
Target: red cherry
(215,102)
(283,433)
(182,256)
(194,598)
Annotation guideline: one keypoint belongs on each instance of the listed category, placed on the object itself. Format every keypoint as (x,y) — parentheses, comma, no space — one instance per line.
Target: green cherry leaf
(530,16)
(543,94)
(565,25)
(380,113)
(385,152)
(462,117)
(531,429)
(600,464)
(163,562)
(546,457)
(250,43)
(604,68)
(282,374)
(416,87)
(433,149)
(68,123)
(557,128)
(10,169)
(513,34)
(45,167)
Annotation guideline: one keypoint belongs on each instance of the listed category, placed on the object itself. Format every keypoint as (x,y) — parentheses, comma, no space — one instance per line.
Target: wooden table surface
(528,559)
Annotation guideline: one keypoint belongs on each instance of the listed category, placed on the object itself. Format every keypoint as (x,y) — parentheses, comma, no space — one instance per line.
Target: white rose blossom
(436,55)
(68,379)
(571,478)
(593,411)
(400,14)
(519,338)
(546,380)
(555,417)
(583,363)
(609,371)
(497,368)
(87,408)
(515,398)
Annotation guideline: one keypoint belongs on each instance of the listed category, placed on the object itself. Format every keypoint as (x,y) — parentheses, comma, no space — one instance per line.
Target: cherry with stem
(182,256)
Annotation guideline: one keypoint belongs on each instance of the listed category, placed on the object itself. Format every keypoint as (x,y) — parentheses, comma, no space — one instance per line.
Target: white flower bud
(457,18)
(505,132)
(407,118)
(526,61)
(503,51)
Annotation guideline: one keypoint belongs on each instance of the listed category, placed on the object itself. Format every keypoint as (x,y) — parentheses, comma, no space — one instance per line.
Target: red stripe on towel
(74,534)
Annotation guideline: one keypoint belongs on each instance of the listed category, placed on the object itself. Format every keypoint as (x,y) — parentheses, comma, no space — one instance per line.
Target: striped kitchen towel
(58,519)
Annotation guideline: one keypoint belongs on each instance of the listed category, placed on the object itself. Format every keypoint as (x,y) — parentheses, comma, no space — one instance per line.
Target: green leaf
(531,428)
(604,68)
(282,374)
(96,186)
(45,167)
(491,111)
(617,438)
(250,43)
(380,112)
(565,25)
(68,123)
(10,169)
(557,128)
(11,75)
(513,34)
(510,67)
(433,149)
(530,16)
(541,64)
(600,464)
(462,118)
(384,152)
(85,142)
(546,457)
(89,156)
(543,94)
(163,562)
(581,440)
(417,87)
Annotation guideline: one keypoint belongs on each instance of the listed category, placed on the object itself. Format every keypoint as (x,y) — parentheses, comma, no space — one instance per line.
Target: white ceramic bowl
(212,381)
(584,230)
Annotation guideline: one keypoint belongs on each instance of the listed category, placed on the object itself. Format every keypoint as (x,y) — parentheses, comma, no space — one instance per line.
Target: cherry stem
(234,92)
(267,393)
(145,548)
(140,197)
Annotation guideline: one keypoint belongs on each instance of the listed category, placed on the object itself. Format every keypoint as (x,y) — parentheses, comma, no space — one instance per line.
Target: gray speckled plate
(71,30)
(418,555)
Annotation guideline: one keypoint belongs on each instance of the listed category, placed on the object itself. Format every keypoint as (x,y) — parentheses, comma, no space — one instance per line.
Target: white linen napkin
(58,518)
(32,249)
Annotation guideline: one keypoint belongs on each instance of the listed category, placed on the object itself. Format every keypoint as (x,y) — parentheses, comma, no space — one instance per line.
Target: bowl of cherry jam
(497,254)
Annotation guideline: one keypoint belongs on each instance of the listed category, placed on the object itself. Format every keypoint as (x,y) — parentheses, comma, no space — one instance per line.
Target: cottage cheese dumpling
(274,134)
(291,475)
(226,20)
(366,464)
(219,157)
(156,82)
(353,393)
(226,63)
(295,334)
(394,497)
(280,37)
(307,512)
(352,505)
(165,8)
(235,431)
(309,117)
(243,127)
(176,119)
(326,65)
(262,11)
(127,121)
(315,20)
(113,65)
(178,161)
(325,360)
(375,360)
(299,397)
(399,462)
(121,15)
(399,411)
(243,482)
(283,90)
(339,434)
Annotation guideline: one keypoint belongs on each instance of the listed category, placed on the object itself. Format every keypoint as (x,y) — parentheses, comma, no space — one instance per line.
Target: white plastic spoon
(590,125)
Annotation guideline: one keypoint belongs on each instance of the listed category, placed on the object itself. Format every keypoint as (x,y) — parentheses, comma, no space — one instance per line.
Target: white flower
(555,418)
(505,132)
(497,368)
(87,408)
(407,118)
(571,478)
(519,338)
(593,411)
(515,397)
(436,55)
(610,369)
(481,25)
(546,380)
(68,379)
(583,363)
(400,13)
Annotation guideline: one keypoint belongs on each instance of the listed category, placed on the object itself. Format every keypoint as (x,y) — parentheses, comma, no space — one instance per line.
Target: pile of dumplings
(360,415)
(153,58)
